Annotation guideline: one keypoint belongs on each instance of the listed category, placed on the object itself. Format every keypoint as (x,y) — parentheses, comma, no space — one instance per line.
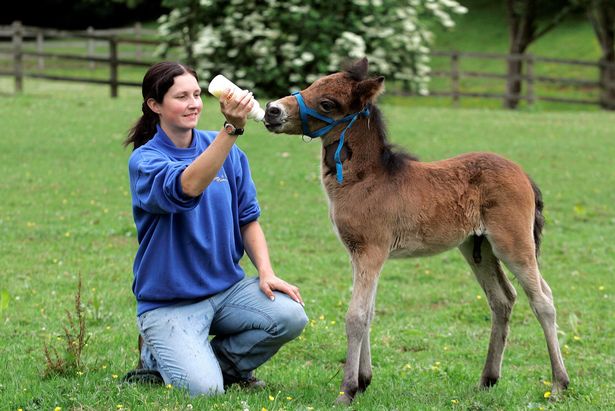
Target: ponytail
(144,129)
(156,82)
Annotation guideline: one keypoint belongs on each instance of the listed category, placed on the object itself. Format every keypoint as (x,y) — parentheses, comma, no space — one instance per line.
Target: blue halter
(305,112)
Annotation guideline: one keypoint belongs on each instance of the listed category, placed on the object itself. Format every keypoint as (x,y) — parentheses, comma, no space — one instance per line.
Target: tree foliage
(272,46)
(79,14)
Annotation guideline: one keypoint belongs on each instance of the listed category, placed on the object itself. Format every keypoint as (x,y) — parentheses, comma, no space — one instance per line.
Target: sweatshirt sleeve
(249,210)
(156,186)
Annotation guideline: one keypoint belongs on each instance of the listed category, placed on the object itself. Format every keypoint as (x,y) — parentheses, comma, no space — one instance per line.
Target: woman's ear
(153,105)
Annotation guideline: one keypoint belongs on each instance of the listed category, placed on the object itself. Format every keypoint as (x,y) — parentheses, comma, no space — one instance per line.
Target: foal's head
(328,100)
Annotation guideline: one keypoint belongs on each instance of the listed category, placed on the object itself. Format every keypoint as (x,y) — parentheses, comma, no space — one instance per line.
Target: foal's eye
(327,105)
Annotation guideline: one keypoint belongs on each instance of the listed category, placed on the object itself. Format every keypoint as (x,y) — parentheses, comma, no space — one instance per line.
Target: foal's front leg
(357,370)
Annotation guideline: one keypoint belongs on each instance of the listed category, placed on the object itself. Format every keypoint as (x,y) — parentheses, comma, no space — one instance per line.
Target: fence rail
(605,86)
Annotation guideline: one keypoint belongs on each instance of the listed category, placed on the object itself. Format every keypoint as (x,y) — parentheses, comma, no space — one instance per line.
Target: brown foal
(386,204)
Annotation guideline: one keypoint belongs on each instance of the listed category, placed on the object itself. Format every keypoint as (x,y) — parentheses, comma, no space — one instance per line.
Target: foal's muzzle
(274,116)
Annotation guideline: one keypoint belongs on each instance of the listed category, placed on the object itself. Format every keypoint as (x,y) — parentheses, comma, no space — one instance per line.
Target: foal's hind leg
(517,251)
(501,296)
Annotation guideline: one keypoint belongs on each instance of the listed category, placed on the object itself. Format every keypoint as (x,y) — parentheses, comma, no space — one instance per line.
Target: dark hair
(156,82)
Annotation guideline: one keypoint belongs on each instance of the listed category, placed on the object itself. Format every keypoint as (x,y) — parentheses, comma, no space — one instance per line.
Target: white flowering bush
(274,46)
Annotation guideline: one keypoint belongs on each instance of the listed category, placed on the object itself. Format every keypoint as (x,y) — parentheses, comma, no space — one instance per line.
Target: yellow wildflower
(455,402)
(547,394)
(271,398)
(114,376)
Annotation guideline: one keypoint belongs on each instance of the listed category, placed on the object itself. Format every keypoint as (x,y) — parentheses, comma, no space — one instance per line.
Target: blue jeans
(248,327)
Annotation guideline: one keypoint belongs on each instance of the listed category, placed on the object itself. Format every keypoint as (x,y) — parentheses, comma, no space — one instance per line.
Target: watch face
(229,128)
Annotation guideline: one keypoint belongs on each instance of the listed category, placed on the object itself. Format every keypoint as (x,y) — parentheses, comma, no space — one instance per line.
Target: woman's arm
(255,245)
(197,176)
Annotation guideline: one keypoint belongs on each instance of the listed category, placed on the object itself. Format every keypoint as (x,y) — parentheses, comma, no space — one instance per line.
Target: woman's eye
(327,105)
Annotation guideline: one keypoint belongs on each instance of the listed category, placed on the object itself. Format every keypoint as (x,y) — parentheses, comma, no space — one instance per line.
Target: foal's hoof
(344,399)
(487,382)
(557,391)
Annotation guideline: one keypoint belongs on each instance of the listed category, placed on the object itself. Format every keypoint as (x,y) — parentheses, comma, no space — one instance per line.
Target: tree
(528,20)
(601,13)
(272,46)
(79,14)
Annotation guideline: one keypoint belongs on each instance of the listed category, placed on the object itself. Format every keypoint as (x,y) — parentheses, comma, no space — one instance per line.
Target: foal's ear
(358,69)
(368,90)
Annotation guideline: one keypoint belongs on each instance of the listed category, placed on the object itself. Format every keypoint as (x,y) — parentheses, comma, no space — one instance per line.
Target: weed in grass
(5,297)
(75,341)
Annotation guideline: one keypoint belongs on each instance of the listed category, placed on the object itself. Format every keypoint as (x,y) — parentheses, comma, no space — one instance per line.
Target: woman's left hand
(271,283)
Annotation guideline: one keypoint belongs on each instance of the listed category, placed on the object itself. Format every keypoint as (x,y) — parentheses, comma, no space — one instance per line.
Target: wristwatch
(231,130)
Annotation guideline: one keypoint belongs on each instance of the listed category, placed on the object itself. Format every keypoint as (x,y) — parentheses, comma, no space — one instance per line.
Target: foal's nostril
(273,111)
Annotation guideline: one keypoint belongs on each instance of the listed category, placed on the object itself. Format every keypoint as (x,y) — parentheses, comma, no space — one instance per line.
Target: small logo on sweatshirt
(220,178)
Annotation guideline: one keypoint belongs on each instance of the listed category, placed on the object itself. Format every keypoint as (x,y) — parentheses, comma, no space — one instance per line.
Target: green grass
(65,211)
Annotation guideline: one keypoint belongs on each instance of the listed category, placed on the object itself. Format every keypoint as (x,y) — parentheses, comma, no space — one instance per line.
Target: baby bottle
(221,83)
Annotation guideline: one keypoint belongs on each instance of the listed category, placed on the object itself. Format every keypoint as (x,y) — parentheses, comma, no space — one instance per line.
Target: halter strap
(305,112)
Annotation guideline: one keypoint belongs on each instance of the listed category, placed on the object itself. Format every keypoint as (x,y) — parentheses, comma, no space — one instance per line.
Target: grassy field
(65,211)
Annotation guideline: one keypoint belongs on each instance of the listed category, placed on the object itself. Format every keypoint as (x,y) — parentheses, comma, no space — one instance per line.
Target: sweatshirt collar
(163,140)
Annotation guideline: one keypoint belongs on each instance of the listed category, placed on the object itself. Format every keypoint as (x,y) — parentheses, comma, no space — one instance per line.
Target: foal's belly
(421,250)
(415,246)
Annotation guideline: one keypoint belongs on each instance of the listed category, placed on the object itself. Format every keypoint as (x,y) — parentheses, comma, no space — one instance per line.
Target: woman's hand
(236,105)
(271,283)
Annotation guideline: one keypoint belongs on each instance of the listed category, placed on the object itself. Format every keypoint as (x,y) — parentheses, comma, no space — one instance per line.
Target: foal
(387,204)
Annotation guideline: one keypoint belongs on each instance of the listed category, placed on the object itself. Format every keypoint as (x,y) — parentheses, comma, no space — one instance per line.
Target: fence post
(455,77)
(529,74)
(113,65)
(18,55)
(40,39)
(91,46)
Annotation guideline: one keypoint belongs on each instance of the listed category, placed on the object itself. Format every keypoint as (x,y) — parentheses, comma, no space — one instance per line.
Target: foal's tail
(539,219)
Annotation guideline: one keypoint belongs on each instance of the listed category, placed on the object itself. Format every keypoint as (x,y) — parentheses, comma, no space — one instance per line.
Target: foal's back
(430,207)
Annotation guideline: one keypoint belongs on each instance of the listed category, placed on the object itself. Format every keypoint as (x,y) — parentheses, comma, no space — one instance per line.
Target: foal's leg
(517,251)
(501,296)
(366,270)
(365,361)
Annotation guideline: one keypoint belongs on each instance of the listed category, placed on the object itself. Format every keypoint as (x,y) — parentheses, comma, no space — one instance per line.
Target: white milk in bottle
(221,83)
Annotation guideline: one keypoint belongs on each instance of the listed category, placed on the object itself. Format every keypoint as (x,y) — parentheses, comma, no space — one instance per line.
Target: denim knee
(290,322)
(202,386)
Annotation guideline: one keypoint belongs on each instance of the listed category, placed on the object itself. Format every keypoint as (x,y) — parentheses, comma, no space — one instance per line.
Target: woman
(195,208)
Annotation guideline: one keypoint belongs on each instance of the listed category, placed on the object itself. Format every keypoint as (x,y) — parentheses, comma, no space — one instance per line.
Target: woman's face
(181,105)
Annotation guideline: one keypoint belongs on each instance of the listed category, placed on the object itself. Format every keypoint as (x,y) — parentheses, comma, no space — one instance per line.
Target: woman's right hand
(236,105)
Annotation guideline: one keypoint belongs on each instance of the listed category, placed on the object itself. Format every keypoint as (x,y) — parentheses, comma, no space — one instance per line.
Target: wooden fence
(453,78)
(528,78)
(19,34)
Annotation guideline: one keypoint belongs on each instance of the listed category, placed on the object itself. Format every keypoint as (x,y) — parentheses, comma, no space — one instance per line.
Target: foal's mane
(392,157)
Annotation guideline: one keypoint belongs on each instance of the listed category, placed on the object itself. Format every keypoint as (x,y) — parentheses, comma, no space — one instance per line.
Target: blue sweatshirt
(189,247)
